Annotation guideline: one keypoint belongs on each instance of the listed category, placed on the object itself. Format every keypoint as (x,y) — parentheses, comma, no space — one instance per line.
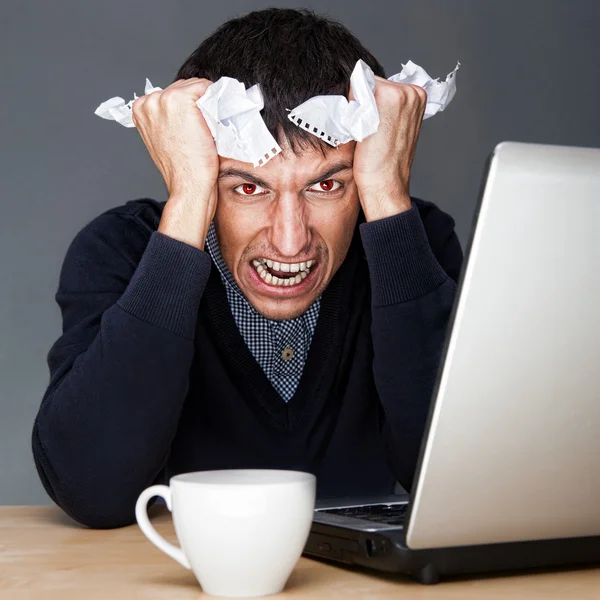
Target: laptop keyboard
(389,514)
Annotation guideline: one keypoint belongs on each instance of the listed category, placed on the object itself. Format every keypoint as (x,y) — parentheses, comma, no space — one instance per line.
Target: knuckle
(167,96)
(202,85)
(391,91)
(176,84)
(147,101)
(136,107)
(419,91)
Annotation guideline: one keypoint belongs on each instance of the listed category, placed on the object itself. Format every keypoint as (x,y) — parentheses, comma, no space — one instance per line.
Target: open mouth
(282,274)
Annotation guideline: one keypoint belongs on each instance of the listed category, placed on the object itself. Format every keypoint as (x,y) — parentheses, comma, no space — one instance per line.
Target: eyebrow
(337,168)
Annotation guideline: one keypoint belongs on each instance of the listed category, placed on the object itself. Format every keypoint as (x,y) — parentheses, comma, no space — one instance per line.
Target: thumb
(351,95)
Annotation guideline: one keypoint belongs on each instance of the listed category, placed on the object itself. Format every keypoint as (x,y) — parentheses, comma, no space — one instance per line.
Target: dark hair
(293,54)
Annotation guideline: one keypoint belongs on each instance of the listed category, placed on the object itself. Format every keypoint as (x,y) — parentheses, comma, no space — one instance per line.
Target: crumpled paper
(439,93)
(232,112)
(337,120)
(116,109)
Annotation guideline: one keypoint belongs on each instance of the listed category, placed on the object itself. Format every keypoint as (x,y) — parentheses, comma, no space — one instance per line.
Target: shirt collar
(214,250)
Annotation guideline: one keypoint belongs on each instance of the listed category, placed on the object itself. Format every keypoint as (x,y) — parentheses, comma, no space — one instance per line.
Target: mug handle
(141,515)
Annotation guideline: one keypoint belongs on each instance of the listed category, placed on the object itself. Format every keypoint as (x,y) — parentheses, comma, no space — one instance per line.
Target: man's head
(303,204)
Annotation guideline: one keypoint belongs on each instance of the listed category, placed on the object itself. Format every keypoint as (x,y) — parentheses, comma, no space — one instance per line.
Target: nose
(290,233)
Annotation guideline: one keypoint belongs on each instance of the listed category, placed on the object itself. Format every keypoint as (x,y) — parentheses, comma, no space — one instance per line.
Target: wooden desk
(46,556)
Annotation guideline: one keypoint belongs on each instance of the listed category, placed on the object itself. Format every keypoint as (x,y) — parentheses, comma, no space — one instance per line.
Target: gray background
(529,73)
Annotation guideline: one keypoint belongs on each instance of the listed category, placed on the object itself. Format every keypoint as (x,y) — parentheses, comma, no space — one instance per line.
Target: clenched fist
(382,162)
(181,145)
(177,136)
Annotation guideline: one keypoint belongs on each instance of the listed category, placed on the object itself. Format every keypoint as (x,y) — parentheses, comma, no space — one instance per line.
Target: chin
(278,311)
(280,302)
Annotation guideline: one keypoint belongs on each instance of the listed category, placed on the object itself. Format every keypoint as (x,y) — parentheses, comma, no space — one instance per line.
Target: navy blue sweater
(151,376)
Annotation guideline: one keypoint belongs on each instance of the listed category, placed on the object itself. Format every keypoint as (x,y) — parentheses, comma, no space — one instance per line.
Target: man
(312,341)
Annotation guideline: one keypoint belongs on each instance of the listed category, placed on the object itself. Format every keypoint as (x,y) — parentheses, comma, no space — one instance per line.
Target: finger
(197,87)
(186,82)
(178,83)
(136,107)
(422,92)
(184,92)
(195,81)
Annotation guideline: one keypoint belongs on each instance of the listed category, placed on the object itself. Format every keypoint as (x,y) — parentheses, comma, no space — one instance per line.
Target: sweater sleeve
(414,264)
(129,300)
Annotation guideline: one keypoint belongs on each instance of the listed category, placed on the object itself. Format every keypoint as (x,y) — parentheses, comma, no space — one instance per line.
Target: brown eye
(249,188)
(326,185)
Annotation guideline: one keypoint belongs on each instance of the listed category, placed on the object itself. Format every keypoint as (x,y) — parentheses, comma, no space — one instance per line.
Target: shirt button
(287,354)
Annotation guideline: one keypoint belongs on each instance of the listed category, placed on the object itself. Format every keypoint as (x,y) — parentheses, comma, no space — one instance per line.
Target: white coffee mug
(241,531)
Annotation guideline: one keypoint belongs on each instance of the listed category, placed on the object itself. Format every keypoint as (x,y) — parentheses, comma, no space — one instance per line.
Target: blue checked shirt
(268,340)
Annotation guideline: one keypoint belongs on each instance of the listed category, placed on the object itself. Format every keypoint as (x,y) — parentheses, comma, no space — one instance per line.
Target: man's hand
(382,161)
(181,145)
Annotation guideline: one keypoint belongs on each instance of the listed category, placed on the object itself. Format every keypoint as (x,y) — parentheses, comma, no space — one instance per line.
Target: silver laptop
(509,470)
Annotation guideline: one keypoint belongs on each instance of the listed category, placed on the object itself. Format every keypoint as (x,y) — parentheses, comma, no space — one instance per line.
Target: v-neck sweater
(268,339)
(151,377)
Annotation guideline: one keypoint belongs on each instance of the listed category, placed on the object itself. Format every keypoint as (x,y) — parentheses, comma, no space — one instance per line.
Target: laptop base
(387,552)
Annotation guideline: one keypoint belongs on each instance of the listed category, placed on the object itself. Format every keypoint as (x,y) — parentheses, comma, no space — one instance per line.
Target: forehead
(306,164)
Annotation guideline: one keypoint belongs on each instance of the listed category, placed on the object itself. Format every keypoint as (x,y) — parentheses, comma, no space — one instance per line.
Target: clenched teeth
(284,267)
(302,270)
